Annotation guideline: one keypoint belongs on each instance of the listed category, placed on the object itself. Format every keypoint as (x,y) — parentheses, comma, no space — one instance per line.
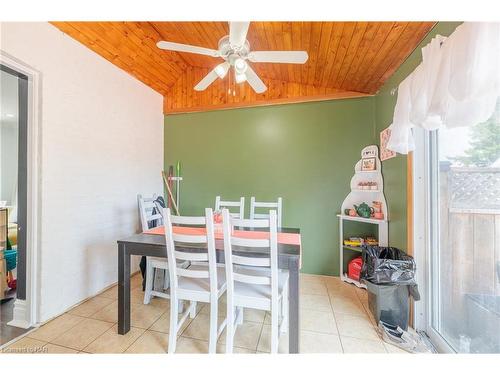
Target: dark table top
(159,241)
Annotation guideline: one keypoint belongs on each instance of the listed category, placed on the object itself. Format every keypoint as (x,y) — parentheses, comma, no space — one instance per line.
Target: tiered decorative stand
(367,193)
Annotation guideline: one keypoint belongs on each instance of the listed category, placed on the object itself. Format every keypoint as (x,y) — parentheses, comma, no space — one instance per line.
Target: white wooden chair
(254,205)
(259,286)
(203,281)
(151,218)
(220,204)
(146,207)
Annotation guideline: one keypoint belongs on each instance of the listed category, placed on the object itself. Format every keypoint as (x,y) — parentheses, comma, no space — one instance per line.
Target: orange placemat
(283,238)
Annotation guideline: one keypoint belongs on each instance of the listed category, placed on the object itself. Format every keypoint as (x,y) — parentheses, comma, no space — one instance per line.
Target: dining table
(154,245)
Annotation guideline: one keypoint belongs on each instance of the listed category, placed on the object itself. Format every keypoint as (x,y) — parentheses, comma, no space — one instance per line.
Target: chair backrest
(175,252)
(254,205)
(149,212)
(234,247)
(220,204)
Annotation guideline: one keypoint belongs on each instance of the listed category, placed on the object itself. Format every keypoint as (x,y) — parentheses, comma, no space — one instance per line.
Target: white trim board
(26,311)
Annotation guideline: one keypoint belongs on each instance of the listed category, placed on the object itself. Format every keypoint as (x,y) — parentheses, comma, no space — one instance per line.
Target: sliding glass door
(463,236)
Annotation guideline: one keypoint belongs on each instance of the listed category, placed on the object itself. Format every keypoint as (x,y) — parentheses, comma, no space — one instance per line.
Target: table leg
(293,306)
(123,290)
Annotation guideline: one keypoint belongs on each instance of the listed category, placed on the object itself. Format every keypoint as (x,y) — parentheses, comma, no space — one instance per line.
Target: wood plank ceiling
(346,59)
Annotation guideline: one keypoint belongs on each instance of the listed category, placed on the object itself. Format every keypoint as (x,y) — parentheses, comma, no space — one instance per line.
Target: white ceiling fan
(235,50)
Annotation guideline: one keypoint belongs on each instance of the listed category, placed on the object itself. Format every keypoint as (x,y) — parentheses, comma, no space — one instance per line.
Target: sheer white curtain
(457,84)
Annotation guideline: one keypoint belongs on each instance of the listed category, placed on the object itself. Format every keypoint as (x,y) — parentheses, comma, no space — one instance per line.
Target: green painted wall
(303,152)
(394,170)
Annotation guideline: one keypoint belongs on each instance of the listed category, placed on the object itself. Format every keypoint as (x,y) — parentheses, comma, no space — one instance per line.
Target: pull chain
(229,87)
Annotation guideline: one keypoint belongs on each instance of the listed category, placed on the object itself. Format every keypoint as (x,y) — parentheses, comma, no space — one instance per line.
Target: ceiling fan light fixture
(235,50)
(240,78)
(222,69)
(240,65)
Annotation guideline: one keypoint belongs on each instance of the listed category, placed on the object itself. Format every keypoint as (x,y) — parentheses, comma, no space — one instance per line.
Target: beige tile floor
(334,319)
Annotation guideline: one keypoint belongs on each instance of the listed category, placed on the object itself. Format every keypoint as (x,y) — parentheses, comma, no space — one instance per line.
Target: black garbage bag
(387,265)
(389,275)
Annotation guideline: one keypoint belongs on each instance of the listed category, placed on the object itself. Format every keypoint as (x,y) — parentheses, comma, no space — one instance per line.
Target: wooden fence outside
(469,238)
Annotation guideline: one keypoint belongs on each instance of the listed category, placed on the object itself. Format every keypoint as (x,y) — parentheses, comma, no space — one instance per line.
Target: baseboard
(82,301)
(21,315)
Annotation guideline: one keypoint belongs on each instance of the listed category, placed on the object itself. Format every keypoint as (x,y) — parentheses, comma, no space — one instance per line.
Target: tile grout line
(191,322)
(369,319)
(116,323)
(137,338)
(83,317)
(78,324)
(51,343)
(68,313)
(335,318)
(86,346)
(8,344)
(98,311)
(260,334)
(73,314)
(62,346)
(73,326)
(376,331)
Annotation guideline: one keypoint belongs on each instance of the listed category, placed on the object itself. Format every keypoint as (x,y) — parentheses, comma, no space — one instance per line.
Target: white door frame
(422,241)
(26,312)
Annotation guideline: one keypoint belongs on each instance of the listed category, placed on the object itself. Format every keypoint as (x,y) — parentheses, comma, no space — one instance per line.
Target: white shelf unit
(366,191)
(362,219)
(358,196)
(382,235)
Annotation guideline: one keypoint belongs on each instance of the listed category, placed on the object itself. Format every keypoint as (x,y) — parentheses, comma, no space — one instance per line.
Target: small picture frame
(368,164)
(385,153)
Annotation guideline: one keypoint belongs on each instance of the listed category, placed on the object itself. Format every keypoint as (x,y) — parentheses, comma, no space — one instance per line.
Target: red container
(354,268)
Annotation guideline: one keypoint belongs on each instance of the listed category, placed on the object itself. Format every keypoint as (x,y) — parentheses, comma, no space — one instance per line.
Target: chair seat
(245,290)
(202,285)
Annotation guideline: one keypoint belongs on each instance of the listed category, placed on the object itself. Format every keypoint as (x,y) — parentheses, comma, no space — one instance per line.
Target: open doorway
(13,196)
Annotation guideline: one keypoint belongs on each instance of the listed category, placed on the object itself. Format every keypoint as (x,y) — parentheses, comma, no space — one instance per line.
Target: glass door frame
(426,233)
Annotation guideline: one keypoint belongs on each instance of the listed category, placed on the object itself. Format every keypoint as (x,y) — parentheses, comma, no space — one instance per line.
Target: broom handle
(170,192)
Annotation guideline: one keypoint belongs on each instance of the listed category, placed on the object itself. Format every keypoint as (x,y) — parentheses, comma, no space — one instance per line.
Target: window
(463,236)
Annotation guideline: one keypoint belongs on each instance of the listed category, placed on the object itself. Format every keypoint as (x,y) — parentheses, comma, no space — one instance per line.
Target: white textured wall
(102,143)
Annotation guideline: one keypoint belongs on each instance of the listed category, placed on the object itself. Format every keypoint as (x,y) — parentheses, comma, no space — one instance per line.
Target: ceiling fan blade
(254,81)
(289,57)
(179,47)
(206,81)
(238,33)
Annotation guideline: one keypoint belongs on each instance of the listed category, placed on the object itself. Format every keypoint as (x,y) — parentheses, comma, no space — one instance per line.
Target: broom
(165,181)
